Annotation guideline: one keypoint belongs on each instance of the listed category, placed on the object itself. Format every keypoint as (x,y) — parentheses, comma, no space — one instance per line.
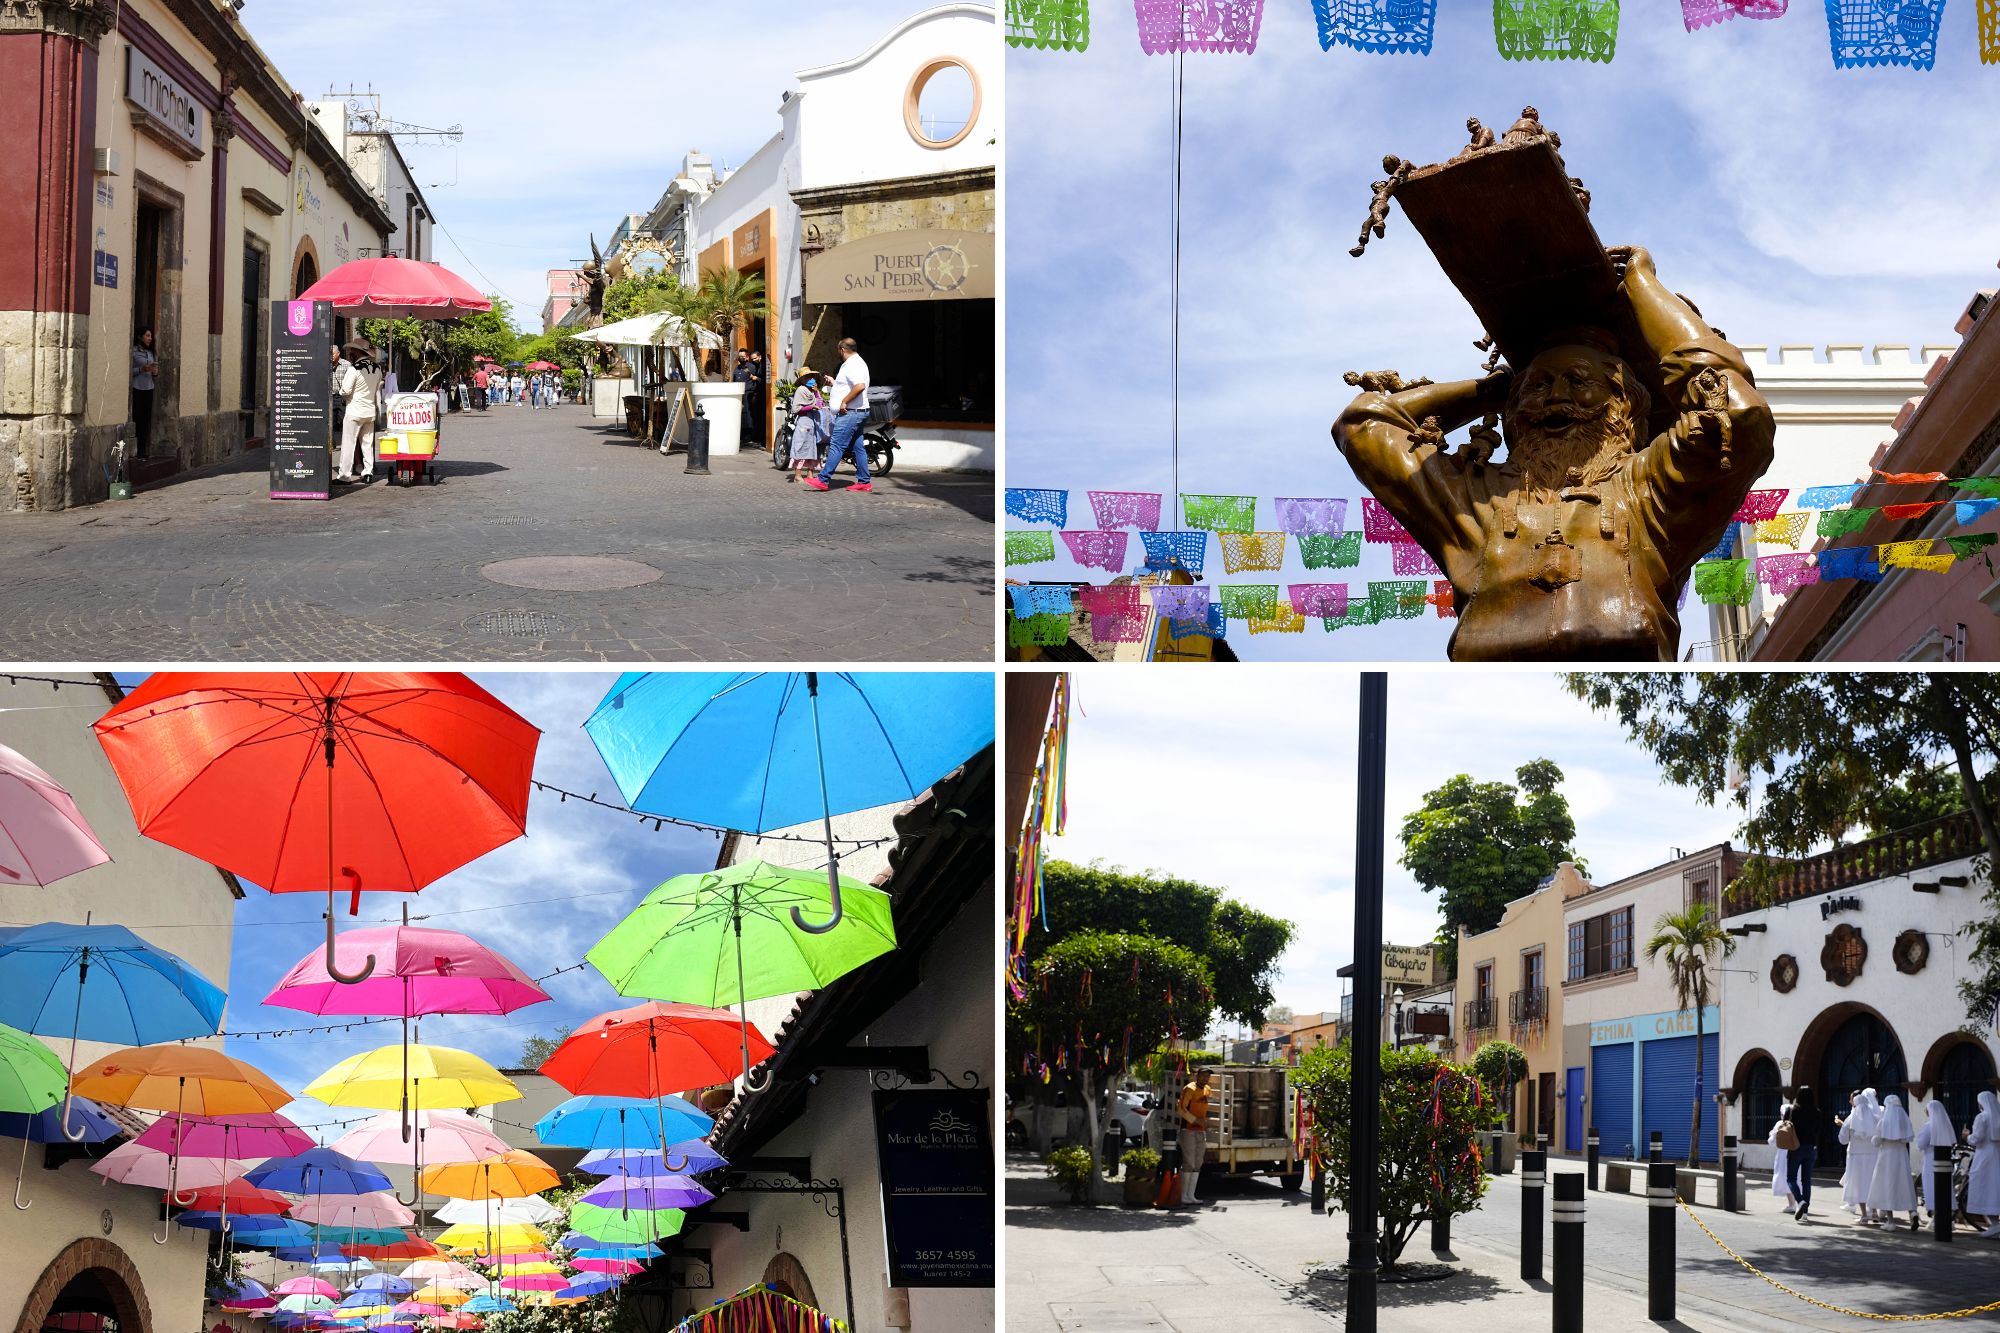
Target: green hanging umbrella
(728,936)
(608,1226)
(31,1077)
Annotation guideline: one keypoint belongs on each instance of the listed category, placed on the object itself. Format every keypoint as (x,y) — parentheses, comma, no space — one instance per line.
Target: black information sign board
(301,407)
(936,1154)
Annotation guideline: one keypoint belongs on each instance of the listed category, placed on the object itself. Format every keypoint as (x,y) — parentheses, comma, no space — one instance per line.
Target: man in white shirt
(354,380)
(849,400)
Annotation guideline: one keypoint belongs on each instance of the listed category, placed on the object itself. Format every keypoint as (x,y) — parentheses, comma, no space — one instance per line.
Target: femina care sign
(162,105)
(936,1156)
(1647,1027)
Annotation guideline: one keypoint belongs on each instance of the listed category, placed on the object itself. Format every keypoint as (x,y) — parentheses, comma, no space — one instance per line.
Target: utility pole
(1370,807)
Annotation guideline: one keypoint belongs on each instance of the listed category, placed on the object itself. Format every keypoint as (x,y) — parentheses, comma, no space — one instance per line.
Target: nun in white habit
(1857,1132)
(1936,1132)
(1891,1190)
(1982,1195)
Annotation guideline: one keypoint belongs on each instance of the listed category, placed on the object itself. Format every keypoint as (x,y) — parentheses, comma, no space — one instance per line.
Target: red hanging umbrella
(297,781)
(655,1049)
(391,288)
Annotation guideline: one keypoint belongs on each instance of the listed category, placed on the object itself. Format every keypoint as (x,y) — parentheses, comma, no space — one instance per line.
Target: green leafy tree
(1688,941)
(632,294)
(1480,845)
(537,1049)
(1501,1065)
(1240,945)
(1096,1001)
(1427,1164)
(1808,758)
(690,306)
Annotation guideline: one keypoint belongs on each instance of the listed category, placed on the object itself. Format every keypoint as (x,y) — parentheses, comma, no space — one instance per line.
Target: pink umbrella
(535,1282)
(307,1286)
(443,1273)
(132,1164)
(442,1136)
(250,1138)
(354,1210)
(416,1308)
(391,288)
(43,836)
(613,1266)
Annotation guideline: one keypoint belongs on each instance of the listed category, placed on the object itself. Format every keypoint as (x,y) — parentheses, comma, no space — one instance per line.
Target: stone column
(220,439)
(48,99)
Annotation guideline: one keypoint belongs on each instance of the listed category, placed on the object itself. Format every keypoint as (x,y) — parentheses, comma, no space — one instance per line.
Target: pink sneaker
(813,481)
(861,486)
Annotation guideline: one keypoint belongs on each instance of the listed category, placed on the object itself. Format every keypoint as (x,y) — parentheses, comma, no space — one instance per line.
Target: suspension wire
(1174,298)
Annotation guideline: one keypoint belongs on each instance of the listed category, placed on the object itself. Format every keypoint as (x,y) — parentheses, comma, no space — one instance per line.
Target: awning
(644,331)
(928,264)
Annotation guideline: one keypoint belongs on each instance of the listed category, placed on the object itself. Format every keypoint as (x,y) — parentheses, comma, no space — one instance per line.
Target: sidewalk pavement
(1241,1263)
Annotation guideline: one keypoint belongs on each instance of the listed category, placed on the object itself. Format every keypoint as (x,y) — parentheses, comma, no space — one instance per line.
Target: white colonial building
(1848,978)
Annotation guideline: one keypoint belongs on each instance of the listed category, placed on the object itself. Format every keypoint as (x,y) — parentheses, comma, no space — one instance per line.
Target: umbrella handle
(833,892)
(332,967)
(82,1132)
(826,817)
(668,1162)
(20,1177)
(752,1083)
(166,1222)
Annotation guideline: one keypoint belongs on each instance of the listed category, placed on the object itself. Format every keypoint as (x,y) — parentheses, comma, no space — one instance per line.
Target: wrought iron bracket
(912,1062)
(889,1080)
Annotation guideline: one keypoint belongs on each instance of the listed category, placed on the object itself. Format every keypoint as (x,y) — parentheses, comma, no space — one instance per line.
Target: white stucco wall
(851,122)
(168,898)
(1919,1009)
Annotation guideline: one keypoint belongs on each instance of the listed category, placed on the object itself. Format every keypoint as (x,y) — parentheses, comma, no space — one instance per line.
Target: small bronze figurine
(1483,443)
(1482,139)
(1378,208)
(1381,381)
(1492,350)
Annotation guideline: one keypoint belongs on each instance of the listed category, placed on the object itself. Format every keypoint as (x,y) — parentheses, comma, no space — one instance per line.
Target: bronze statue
(1482,443)
(1378,207)
(593,275)
(1578,545)
(1482,139)
(1529,129)
(1381,381)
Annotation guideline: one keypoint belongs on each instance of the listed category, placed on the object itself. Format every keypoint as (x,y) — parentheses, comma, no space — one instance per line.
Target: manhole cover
(520,624)
(570,573)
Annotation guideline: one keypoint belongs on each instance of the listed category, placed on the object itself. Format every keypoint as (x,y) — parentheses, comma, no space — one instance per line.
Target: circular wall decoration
(913,109)
(1843,954)
(1784,973)
(105,1221)
(1912,952)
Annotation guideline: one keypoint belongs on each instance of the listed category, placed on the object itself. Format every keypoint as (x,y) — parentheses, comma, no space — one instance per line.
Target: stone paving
(751,568)
(1243,1261)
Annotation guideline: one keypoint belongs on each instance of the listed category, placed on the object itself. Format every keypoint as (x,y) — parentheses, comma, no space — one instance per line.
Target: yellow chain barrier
(1828,1305)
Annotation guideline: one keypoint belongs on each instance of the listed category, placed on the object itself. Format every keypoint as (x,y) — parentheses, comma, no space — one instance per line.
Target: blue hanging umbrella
(237,1224)
(102,983)
(761,751)
(589,1286)
(46,1126)
(637,1253)
(318,1171)
(621,1122)
(693,1157)
(383,1282)
(488,1305)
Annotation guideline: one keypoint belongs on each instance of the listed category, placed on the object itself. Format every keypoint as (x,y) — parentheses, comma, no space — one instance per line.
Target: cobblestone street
(749,567)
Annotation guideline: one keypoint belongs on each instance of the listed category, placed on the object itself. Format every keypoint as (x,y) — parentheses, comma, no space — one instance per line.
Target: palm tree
(1688,940)
(733,299)
(690,306)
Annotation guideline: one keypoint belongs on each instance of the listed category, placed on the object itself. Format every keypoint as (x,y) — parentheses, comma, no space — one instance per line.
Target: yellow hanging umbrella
(514,1174)
(438,1077)
(474,1238)
(436,1295)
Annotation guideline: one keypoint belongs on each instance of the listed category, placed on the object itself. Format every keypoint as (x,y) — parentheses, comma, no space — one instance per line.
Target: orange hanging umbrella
(514,1174)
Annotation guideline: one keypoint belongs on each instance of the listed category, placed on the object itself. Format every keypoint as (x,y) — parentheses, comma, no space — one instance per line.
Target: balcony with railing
(1479,1014)
(1528,1006)
(1897,853)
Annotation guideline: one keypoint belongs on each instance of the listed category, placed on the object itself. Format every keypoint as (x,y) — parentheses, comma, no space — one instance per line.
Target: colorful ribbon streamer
(1033,506)
(1556,29)
(1047,813)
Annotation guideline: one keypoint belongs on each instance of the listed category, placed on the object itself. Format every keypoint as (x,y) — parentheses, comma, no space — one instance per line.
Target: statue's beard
(1590,443)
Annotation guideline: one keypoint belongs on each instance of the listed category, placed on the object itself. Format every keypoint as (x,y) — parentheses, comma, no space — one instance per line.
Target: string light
(564,796)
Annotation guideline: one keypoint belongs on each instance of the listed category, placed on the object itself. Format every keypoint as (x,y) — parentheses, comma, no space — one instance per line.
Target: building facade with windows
(1629,1047)
(356,133)
(1503,992)
(84,1250)
(1846,977)
(164,176)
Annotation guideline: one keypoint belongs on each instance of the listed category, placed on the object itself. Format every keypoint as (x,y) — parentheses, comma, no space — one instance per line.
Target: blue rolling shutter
(1667,1067)
(1611,1099)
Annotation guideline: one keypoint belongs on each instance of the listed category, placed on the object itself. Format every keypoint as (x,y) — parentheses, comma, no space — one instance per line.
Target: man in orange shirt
(1192,1110)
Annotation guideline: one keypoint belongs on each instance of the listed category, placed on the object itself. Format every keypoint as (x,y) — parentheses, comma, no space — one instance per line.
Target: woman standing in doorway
(145,365)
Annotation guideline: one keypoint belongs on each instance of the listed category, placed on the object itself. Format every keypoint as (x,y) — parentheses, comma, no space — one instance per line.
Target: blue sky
(1792,201)
(576,873)
(1262,785)
(574,115)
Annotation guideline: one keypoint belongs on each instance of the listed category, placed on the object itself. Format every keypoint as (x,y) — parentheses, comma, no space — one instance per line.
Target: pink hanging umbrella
(132,1164)
(307,1286)
(535,1282)
(443,1273)
(245,1138)
(43,836)
(406,1308)
(616,1267)
(440,1137)
(354,1210)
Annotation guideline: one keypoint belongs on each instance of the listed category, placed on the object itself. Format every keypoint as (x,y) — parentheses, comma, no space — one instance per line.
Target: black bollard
(1729,1155)
(1319,1189)
(1654,1148)
(1534,1172)
(1590,1158)
(1441,1233)
(1941,1191)
(1493,1152)
(697,464)
(1566,1224)
(1660,1177)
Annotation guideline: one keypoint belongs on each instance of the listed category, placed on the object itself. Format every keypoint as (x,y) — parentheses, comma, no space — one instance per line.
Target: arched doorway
(1965,1071)
(1860,1053)
(1761,1096)
(307,275)
(91,1287)
(788,1275)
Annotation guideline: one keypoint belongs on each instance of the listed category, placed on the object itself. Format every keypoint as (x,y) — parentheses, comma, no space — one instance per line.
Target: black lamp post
(1365,1128)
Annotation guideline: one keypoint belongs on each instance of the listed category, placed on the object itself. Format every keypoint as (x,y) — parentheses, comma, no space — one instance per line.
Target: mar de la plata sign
(936,1157)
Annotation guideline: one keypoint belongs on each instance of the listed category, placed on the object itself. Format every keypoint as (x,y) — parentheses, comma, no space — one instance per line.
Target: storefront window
(1600,944)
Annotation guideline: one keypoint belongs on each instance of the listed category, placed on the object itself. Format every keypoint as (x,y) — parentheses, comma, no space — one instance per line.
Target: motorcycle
(878,434)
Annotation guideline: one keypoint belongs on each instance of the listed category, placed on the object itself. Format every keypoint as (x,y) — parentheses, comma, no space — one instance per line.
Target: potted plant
(729,300)
(1070,1168)
(1142,1176)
